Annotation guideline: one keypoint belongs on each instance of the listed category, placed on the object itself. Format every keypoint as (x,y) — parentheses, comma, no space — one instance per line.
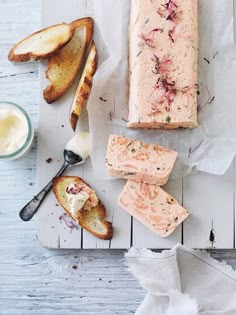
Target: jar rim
(30,131)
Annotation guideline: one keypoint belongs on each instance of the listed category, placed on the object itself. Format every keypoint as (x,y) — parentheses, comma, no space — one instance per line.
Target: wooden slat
(121,221)
(89,241)
(209,198)
(54,133)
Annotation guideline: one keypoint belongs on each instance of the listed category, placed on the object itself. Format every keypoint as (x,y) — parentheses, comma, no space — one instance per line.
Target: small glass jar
(16,131)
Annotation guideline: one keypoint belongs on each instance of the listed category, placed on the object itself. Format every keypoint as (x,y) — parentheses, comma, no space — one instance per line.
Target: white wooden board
(209,198)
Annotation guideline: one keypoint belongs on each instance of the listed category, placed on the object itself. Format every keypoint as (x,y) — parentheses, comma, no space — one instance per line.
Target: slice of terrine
(153,207)
(139,161)
(163,64)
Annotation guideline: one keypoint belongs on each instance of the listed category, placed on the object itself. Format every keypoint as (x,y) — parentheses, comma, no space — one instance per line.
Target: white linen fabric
(183,281)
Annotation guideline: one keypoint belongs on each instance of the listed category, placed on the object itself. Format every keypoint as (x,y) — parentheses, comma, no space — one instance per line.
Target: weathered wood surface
(34,280)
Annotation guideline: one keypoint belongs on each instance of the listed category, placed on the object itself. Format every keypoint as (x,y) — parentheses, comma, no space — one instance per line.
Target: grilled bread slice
(64,65)
(42,44)
(90,218)
(85,86)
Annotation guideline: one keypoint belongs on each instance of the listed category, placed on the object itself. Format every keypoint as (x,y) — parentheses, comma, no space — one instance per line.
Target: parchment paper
(209,148)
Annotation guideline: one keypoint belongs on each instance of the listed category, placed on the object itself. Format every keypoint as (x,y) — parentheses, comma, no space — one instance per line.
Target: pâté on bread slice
(91,215)
(64,65)
(84,87)
(42,44)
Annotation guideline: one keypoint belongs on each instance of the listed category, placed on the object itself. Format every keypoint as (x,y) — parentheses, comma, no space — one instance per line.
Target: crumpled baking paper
(209,148)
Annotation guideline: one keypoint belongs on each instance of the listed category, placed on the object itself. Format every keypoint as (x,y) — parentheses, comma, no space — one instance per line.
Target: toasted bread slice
(65,64)
(85,86)
(92,220)
(42,44)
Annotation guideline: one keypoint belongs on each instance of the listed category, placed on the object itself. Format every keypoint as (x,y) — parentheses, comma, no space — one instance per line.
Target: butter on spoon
(75,152)
(79,144)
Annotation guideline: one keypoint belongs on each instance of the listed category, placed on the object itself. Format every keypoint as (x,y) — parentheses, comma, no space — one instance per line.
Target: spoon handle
(29,210)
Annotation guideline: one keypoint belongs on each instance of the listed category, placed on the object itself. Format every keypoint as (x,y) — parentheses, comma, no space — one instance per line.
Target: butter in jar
(16,132)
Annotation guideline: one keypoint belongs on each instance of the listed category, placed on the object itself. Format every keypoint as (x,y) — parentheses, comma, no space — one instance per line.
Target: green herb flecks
(168,119)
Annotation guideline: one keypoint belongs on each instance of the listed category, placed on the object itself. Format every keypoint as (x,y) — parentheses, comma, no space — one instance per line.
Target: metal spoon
(27,213)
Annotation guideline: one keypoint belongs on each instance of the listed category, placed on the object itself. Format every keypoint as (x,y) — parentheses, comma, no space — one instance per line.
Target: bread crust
(100,209)
(85,86)
(64,58)
(83,216)
(23,57)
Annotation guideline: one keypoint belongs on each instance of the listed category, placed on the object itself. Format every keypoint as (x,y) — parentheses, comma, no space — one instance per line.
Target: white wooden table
(34,280)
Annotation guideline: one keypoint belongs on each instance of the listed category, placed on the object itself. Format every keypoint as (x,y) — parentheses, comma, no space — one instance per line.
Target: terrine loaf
(153,207)
(163,64)
(139,161)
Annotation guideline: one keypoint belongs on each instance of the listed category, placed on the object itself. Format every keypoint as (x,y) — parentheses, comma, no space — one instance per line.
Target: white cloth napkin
(182,281)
